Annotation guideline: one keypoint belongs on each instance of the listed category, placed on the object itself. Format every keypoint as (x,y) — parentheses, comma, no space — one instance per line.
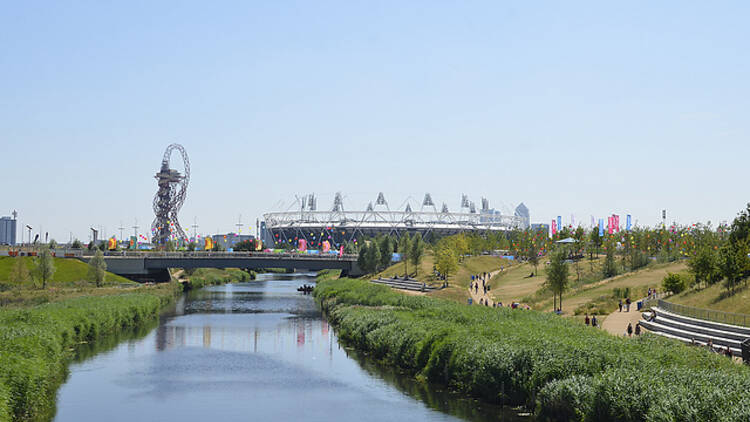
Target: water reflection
(257,350)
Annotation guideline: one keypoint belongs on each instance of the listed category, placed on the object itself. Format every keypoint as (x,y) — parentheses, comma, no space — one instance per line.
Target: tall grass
(560,368)
(35,345)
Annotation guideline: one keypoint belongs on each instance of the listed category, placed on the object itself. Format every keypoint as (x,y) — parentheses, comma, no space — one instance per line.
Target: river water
(249,351)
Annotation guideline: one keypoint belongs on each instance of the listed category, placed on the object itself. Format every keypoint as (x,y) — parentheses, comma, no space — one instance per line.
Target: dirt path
(479,294)
(617,322)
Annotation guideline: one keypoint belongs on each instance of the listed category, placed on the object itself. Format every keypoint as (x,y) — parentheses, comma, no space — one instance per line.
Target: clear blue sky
(584,108)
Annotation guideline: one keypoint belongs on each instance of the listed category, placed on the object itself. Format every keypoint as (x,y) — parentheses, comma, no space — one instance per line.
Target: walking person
(637,329)
(620,305)
(630,329)
(627,302)
(586,320)
(594,322)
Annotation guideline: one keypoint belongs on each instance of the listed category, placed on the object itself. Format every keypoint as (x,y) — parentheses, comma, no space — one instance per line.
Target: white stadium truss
(310,224)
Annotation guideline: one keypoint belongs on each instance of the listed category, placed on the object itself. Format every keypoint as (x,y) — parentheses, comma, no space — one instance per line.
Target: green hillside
(68,272)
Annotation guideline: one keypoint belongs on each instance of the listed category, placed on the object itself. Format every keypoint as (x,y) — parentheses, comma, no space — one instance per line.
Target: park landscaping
(37,343)
(556,367)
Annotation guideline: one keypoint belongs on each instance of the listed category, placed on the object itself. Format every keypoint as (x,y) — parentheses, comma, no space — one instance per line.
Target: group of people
(591,321)
(630,331)
(651,293)
(476,278)
(726,351)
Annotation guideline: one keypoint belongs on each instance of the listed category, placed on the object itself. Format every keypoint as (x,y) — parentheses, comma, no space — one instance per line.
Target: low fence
(707,314)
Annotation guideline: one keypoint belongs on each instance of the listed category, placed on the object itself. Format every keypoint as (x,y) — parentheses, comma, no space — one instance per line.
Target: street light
(29,227)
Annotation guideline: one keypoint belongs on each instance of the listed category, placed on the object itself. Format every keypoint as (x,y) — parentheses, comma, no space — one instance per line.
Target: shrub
(564,370)
(673,283)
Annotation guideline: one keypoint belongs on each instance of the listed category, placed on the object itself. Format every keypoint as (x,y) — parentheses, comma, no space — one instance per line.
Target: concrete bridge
(153,266)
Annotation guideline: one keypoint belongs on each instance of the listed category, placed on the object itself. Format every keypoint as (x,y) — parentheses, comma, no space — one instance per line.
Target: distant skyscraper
(7,231)
(523,212)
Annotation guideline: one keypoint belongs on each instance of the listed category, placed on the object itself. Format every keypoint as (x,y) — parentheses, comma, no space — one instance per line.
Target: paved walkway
(617,322)
(480,292)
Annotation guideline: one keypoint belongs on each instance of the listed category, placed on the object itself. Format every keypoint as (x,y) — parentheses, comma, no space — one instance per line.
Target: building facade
(7,231)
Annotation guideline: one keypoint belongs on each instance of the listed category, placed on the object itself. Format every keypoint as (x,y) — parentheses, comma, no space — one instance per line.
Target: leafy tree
(386,251)
(596,242)
(637,259)
(170,246)
(350,248)
(20,272)
(245,245)
(740,230)
(372,258)
(532,255)
(673,283)
(733,263)
(404,248)
(417,252)
(97,268)
(53,244)
(446,261)
(705,266)
(557,276)
(77,244)
(609,269)
(362,257)
(191,246)
(45,266)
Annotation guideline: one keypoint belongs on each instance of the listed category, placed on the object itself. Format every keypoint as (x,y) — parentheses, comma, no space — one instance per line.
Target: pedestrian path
(480,294)
(617,322)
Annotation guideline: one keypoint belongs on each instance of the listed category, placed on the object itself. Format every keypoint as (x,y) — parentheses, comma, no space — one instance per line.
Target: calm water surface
(250,351)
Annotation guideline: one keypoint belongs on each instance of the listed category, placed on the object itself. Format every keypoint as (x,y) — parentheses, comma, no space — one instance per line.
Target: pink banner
(610,225)
(617,223)
(554,227)
(302,245)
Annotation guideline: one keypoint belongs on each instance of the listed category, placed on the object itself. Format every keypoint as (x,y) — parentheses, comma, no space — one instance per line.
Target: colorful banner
(559,223)
(326,246)
(209,244)
(617,222)
(302,245)
(628,223)
(553,227)
(601,227)
(610,225)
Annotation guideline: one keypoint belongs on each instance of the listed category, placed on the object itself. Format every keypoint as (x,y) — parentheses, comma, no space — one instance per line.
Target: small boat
(305,288)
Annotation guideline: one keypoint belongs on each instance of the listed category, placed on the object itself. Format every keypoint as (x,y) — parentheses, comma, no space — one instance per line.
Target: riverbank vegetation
(559,368)
(36,343)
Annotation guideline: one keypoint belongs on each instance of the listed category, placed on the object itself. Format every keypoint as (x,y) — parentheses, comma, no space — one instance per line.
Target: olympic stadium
(338,225)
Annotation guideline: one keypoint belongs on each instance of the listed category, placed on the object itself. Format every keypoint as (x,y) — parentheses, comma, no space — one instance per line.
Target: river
(249,351)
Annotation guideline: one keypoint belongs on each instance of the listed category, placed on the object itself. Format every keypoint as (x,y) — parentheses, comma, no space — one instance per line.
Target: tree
(53,244)
(557,275)
(533,256)
(77,244)
(386,251)
(362,257)
(350,248)
(446,261)
(245,245)
(404,249)
(673,283)
(417,252)
(741,227)
(372,258)
(733,263)
(609,269)
(170,246)
(98,268)
(45,266)
(596,242)
(20,272)
(705,266)
(191,246)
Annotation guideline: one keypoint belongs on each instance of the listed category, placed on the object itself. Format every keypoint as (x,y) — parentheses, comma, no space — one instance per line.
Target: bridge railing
(705,314)
(211,254)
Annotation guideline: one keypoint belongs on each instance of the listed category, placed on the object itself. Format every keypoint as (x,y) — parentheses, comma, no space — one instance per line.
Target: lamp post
(29,227)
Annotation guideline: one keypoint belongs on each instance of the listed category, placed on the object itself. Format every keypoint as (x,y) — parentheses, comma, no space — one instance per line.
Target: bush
(564,370)
(35,345)
(673,283)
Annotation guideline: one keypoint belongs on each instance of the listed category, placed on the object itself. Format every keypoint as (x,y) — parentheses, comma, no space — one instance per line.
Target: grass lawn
(717,298)
(68,272)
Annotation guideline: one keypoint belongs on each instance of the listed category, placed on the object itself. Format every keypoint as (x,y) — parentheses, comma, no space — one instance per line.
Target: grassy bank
(557,367)
(36,343)
(68,273)
(202,277)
